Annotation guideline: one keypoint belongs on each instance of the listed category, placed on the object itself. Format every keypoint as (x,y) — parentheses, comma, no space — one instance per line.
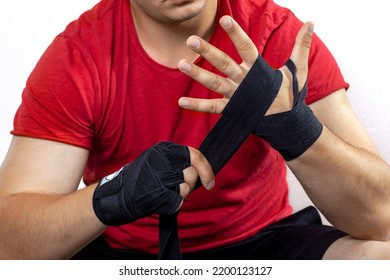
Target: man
(106,91)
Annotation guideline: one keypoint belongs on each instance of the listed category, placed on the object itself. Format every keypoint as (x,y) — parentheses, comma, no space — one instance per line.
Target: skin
(45,216)
(165,25)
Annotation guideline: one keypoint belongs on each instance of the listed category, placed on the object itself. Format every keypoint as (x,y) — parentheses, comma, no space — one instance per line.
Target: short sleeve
(57,102)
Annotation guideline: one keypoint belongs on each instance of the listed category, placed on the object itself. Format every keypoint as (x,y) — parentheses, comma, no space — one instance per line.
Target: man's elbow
(376,227)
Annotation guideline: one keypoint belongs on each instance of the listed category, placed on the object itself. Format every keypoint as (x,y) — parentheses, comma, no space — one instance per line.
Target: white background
(355,31)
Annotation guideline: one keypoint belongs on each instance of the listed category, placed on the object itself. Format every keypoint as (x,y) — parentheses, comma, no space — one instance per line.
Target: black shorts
(301,236)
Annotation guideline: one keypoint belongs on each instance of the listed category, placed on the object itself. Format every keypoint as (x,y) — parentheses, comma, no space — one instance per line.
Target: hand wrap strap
(247,106)
(149,185)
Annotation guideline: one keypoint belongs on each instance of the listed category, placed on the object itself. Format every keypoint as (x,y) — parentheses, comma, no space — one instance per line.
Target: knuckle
(245,46)
(195,106)
(195,155)
(306,42)
(205,50)
(190,176)
(216,83)
(213,108)
(225,63)
(185,189)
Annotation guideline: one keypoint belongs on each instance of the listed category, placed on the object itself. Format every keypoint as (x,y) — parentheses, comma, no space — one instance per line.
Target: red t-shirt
(95,87)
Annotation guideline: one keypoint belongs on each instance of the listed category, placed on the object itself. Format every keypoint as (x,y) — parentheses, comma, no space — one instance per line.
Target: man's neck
(165,42)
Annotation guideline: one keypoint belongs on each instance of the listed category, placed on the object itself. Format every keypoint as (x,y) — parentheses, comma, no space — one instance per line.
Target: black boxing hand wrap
(292,132)
(149,185)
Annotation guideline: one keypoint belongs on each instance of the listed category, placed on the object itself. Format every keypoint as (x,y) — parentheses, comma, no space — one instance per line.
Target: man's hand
(236,72)
(155,183)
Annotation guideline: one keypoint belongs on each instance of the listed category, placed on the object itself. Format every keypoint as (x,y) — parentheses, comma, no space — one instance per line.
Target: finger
(185,189)
(301,51)
(213,106)
(244,45)
(216,57)
(210,80)
(190,175)
(203,167)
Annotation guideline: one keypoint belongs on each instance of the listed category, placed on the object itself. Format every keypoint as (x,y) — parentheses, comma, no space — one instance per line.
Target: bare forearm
(41,226)
(349,185)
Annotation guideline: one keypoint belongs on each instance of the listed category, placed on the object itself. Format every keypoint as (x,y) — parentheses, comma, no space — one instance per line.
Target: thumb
(301,50)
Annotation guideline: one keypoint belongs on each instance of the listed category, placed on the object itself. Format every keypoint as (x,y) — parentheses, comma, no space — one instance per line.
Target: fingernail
(194,43)
(226,22)
(185,67)
(184,102)
(210,185)
(310,29)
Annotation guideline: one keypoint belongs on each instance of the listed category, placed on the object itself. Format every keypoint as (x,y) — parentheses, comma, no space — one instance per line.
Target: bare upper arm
(336,113)
(35,165)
